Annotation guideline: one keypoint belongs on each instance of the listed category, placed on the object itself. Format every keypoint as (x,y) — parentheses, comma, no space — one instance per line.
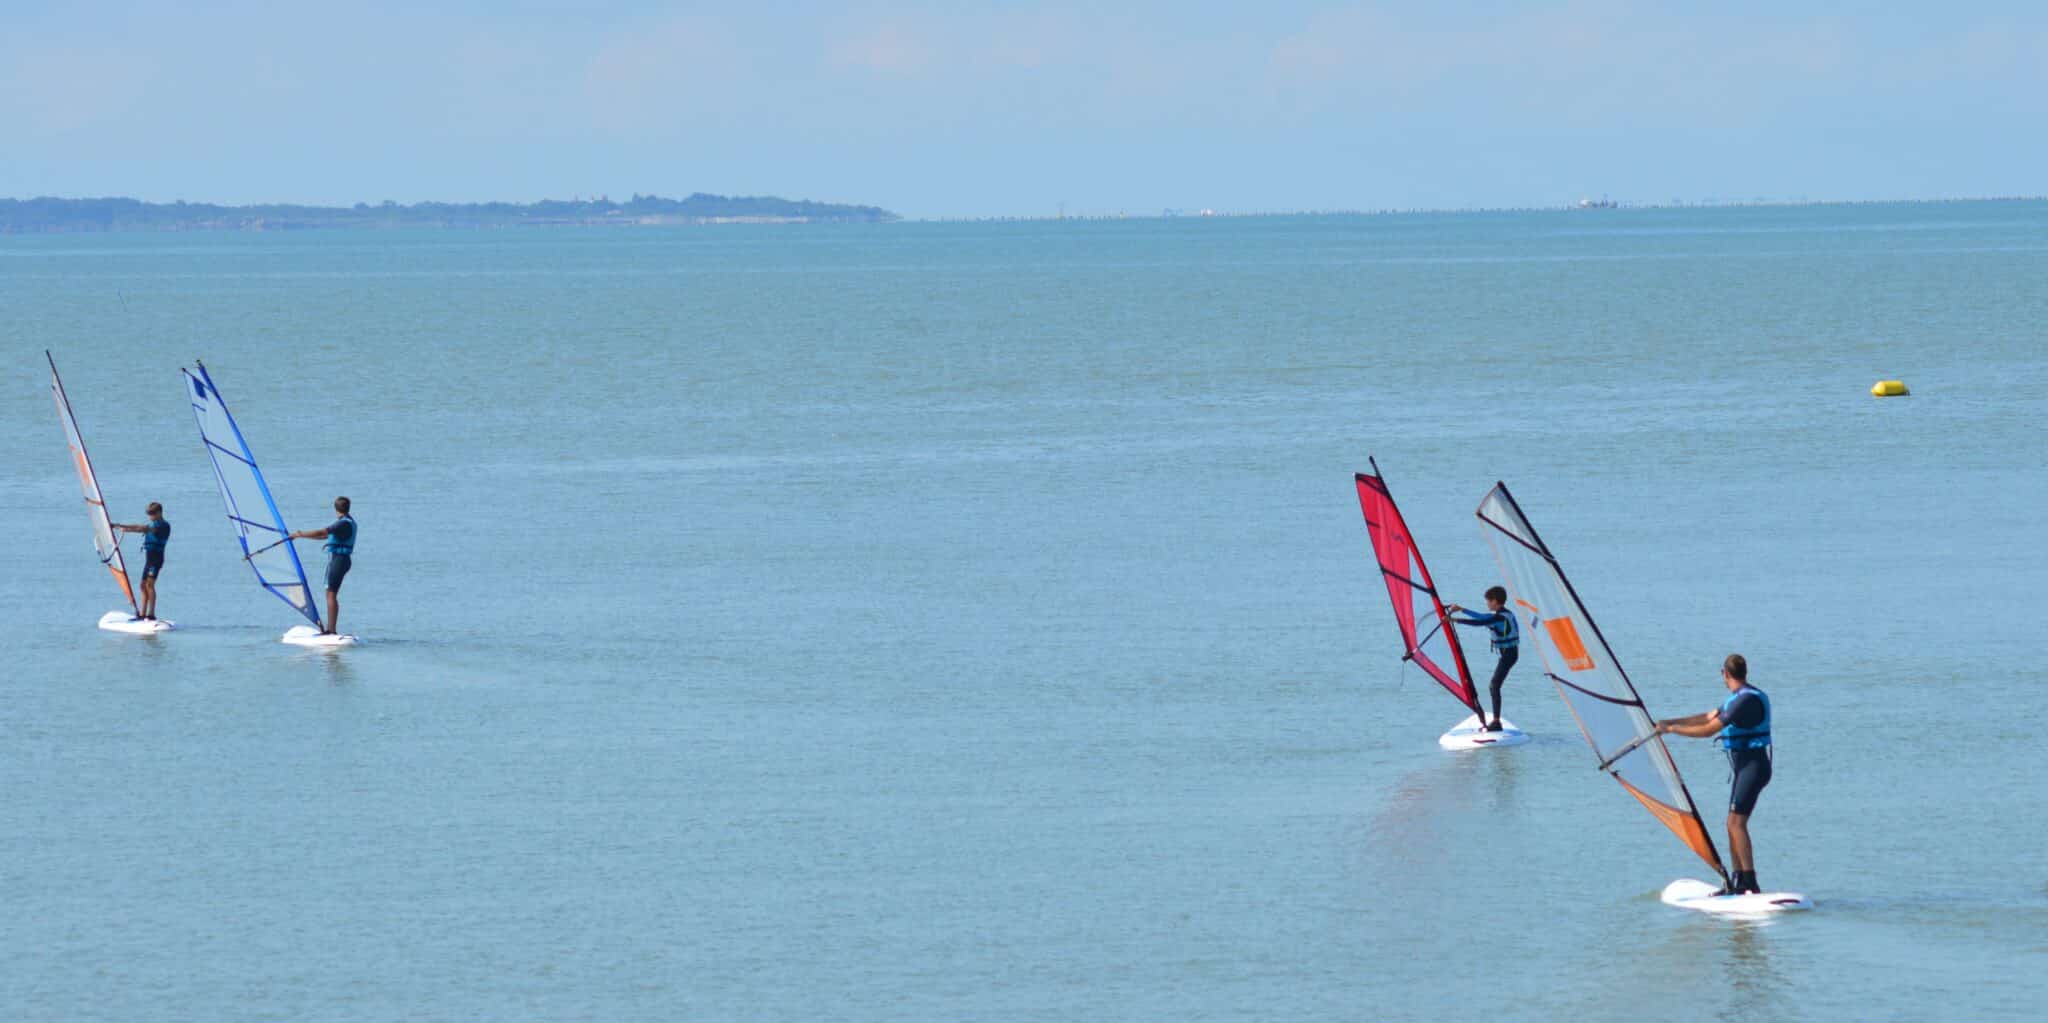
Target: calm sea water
(976,622)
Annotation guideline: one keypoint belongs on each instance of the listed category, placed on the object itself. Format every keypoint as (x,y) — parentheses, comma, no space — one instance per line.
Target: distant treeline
(55,215)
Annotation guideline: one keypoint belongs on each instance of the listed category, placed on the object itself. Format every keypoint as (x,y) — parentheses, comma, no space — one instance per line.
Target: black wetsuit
(1505,639)
(154,536)
(1747,738)
(340,546)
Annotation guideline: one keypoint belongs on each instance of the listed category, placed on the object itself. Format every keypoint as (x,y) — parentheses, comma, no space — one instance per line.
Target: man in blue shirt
(1504,637)
(155,534)
(1742,726)
(340,546)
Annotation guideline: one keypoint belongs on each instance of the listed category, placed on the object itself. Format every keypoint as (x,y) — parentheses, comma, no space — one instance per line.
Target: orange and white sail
(1577,659)
(103,541)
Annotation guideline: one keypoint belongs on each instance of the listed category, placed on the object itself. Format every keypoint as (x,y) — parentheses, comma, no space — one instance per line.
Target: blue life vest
(1507,633)
(1736,737)
(337,543)
(155,535)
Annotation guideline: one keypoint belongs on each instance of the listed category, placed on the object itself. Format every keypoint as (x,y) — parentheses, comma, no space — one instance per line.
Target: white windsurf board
(1692,894)
(122,621)
(306,635)
(1472,734)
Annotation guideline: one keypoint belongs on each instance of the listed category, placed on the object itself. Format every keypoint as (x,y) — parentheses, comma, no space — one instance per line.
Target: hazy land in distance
(48,215)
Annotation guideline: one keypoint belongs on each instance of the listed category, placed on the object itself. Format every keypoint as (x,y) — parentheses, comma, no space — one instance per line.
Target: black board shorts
(1752,770)
(152,564)
(337,567)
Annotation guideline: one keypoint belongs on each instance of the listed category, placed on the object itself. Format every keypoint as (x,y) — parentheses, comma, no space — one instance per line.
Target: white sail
(1576,657)
(104,542)
(258,526)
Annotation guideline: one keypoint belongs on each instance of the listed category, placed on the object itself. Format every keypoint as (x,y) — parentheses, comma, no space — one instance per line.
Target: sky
(1025,109)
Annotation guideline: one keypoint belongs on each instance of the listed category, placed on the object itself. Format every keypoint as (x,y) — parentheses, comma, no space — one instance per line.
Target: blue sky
(1015,108)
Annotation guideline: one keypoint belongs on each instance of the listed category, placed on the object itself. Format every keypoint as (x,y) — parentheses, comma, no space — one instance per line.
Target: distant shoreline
(51,215)
(1699,204)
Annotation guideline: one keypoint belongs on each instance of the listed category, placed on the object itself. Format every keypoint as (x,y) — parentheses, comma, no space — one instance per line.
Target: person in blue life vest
(1504,638)
(155,534)
(1742,726)
(340,546)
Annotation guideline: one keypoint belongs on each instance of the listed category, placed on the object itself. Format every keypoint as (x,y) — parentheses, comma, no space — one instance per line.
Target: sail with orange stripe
(103,541)
(1577,659)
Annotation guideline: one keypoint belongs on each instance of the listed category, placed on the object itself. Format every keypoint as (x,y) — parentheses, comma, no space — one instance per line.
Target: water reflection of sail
(1732,962)
(1437,816)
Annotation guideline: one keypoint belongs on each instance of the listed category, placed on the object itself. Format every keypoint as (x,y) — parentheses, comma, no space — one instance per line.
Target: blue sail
(258,526)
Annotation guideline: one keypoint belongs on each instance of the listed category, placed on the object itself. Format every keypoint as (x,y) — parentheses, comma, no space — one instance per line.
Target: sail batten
(105,544)
(1413,592)
(1594,695)
(1588,676)
(247,499)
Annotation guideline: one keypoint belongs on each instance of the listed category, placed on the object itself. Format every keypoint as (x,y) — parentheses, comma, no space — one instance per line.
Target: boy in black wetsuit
(155,534)
(1742,726)
(1504,638)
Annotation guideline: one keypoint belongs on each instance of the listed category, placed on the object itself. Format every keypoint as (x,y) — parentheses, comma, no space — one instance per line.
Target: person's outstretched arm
(1473,617)
(1697,726)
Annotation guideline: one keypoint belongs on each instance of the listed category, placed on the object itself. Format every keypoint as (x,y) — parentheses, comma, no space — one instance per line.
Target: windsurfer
(340,546)
(155,534)
(1504,638)
(1742,726)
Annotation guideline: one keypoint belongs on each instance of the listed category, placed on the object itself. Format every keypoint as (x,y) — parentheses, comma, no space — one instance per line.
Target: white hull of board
(1691,894)
(1468,734)
(122,621)
(306,635)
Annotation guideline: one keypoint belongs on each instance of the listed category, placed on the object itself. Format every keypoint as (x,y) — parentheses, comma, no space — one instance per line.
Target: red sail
(1426,632)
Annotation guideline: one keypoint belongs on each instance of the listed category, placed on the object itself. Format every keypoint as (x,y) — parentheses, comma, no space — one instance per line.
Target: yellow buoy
(1889,389)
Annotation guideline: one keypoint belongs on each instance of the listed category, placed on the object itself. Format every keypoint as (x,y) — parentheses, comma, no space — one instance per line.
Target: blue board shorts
(1752,770)
(152,564)
(337,567)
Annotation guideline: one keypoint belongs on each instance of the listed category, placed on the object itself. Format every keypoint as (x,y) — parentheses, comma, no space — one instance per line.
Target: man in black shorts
(155,534)
(340,546)
(1742,726)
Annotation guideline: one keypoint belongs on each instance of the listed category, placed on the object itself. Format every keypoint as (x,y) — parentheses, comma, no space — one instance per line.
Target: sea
(976,621)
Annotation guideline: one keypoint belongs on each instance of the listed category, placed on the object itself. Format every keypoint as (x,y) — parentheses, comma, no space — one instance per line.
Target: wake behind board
(123,621)
(306,635)
(1470,734)
(1691,894)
